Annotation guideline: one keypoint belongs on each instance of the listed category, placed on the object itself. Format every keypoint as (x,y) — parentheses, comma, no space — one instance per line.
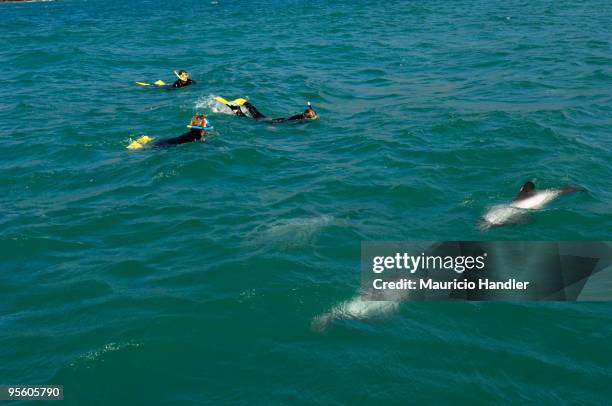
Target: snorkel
(200,122)
(310,110)
(183,76)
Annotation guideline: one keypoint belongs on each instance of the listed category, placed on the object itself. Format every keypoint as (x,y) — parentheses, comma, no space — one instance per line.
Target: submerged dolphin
(354,309)
(528,198)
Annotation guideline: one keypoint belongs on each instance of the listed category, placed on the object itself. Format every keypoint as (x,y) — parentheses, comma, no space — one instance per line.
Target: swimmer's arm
(296,117)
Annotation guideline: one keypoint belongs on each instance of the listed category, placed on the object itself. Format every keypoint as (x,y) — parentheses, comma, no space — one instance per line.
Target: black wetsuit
(181,83)
(257,115)
(190,136)
(297,117)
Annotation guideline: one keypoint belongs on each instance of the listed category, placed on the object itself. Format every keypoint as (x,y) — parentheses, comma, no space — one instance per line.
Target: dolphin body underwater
(528,198)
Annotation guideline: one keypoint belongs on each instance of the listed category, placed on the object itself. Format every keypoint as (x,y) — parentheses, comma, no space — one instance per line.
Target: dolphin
(354,309)
(528,198)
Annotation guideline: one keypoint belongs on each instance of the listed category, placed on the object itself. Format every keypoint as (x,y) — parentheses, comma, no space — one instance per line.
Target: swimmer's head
(309,113)
(183,75)
(199,120)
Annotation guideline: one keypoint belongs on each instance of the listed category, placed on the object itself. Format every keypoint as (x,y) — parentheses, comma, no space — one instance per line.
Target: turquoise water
(227,271)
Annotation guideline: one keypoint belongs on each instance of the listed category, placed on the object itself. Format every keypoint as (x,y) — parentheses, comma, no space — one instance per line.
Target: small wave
(96,355)
(165,174)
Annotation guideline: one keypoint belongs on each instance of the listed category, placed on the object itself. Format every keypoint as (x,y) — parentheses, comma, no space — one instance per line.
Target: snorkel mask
(308,109)
(199,122)
(182,76)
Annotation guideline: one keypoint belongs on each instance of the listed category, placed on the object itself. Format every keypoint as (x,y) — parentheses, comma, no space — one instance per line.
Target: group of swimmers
(527,198)
(199,125)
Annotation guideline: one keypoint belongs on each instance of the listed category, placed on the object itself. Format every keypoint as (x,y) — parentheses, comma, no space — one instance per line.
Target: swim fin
(236,102)
(140,142)
(156,83)
(239,101)
(222,100)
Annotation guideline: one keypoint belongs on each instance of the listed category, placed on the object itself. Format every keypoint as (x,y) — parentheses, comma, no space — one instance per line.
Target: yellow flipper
(222,100)
(237,102)
(140,142)
(156,83)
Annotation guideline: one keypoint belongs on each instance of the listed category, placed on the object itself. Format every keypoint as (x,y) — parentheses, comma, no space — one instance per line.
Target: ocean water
(228,271)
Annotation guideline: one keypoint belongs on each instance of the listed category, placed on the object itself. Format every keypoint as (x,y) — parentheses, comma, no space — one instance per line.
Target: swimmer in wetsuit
(198,127)
(308,114)
(194,134)
(183,79)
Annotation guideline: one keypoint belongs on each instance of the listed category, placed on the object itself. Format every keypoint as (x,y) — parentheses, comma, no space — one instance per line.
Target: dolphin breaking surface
(526,201)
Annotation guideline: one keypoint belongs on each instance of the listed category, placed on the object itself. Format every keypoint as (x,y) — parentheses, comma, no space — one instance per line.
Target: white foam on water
(209,102)
(95,355)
